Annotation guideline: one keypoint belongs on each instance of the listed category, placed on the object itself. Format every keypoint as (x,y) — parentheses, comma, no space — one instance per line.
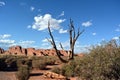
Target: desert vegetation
(101,63)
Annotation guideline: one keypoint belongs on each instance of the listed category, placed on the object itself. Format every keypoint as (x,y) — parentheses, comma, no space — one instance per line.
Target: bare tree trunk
(54,45)
(73,38)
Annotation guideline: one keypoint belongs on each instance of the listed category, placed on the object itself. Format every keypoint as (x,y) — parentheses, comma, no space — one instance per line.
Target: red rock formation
(15,50)
(1,50)
(18,50)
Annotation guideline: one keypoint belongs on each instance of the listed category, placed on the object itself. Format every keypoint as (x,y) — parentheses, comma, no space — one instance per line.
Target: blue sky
(24,22)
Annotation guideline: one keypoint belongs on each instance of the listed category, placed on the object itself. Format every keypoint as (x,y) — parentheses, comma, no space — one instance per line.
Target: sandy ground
(35,74)
(7,75)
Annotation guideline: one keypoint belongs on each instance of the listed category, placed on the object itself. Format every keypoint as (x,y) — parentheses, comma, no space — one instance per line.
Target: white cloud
(41,22)
(45,40)
(78,47)
(62,31)
(62,14)
(32,8)
(27,42)
(115,38)
(7,41)
(66,45)
(87,23)
(94,34)
(5,36)
(46,44)
(2,3)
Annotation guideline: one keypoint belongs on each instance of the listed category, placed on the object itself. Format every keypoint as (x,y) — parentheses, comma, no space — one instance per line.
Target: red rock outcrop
(18,50)
(1,50)
(14,50)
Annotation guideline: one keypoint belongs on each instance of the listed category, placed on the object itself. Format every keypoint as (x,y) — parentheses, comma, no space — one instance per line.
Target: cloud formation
(27,42)
(2,3)
(87,23)
(41,22)
(45,40)
(115,38)
(62,31)
(5,36)
(6,42)
(62,14)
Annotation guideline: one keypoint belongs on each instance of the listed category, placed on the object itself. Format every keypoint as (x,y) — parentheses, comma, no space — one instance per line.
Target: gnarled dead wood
(73,36)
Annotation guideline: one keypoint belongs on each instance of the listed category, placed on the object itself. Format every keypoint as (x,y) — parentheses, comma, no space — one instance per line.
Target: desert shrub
(69,69)
(20,62)
(8,62)
(24,61)
(38,64)
(11,62)
(23,72)
(102,63)
(56,70)
(29,63)
(50,60)
(3,65)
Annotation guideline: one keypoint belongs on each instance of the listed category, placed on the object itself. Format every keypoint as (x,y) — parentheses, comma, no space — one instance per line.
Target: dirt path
(38,74)
(35,74)
(7,76)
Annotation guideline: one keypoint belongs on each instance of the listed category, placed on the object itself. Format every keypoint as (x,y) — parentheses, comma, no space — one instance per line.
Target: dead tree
(73,36)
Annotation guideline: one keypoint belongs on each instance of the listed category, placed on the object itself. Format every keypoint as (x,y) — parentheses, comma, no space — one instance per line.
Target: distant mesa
(18,50)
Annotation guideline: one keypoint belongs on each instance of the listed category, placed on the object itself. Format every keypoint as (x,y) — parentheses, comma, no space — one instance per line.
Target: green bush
(23,72)
(50,60)
(102,63)
(68,69)
(56,70)
(38,64)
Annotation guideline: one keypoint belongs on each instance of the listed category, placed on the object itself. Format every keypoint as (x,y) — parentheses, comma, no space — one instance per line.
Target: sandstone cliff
(18,50)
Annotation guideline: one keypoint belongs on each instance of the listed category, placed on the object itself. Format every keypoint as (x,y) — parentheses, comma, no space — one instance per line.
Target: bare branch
(54,45)
(50,42)
(61,46)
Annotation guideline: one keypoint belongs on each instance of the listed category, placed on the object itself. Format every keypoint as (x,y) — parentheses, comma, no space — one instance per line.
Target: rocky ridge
(18,50)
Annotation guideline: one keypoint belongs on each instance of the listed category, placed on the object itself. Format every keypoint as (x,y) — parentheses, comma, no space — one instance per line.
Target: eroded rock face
(18,50)
(15,50)
(1,50)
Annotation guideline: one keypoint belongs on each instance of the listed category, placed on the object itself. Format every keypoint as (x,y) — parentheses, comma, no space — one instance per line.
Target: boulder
(53,75)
